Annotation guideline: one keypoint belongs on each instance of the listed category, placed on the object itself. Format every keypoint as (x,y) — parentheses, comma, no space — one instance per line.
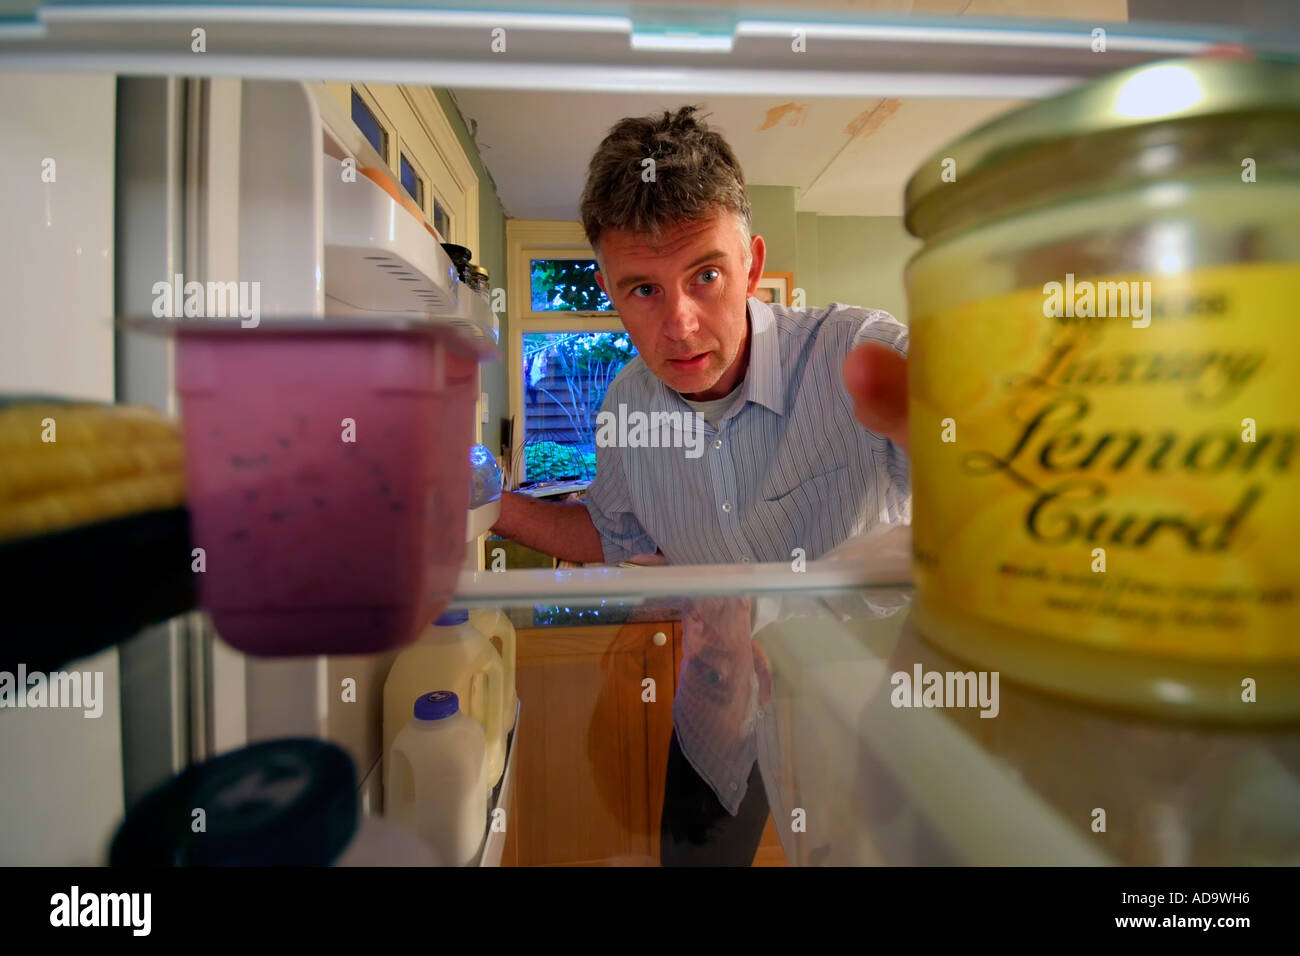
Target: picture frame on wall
(775,287)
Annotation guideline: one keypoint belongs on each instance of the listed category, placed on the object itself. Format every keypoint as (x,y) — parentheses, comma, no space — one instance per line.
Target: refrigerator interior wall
(61,787)
(158,712)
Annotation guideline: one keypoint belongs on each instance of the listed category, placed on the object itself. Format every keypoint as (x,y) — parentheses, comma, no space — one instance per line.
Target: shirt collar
(762,382)
(763,377)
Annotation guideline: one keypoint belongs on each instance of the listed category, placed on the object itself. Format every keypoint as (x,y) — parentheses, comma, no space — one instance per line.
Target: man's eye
(710,272)
(636,291)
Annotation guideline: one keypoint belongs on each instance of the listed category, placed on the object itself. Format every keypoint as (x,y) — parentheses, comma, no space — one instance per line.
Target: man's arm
(562,530)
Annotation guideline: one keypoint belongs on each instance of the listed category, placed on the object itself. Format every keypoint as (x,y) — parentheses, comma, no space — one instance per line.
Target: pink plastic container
(316,544)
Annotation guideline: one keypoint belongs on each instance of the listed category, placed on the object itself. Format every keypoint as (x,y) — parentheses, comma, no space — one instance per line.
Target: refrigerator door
(61,792)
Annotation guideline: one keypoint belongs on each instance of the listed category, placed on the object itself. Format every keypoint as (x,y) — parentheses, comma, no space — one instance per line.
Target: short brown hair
(695,172)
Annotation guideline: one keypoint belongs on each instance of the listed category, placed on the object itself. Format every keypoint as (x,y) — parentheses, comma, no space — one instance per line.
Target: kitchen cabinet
(593,750)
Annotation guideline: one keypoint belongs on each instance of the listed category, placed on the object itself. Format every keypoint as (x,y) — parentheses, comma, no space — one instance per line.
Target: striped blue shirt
(787,468)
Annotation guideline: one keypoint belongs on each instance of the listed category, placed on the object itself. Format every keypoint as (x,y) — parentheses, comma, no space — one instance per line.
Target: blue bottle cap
(277,803)
(437,705)
(452,618)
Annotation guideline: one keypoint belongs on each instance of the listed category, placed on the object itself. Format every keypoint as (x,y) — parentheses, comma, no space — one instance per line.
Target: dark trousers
(697,830)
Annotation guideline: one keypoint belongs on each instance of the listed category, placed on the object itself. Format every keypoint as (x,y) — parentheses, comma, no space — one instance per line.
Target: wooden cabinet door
(592,745)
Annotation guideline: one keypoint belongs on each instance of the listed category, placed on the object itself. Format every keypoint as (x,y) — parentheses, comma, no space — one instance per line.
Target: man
(784,463)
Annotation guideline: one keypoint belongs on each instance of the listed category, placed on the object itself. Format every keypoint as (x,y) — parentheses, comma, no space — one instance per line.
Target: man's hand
(876,377)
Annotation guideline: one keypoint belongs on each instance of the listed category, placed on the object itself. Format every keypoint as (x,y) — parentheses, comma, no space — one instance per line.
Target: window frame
(421,180)
(539,239)
(449,208)
(386,124)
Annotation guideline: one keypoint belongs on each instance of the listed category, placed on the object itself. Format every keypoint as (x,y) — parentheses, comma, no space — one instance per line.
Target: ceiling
(845,157)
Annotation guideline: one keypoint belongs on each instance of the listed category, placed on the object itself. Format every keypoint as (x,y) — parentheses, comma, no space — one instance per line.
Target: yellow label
(1125,480)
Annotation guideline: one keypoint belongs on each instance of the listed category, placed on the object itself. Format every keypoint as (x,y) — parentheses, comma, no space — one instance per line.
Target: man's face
(682,300)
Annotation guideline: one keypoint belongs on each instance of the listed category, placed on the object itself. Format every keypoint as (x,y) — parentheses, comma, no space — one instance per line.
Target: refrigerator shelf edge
(477,588)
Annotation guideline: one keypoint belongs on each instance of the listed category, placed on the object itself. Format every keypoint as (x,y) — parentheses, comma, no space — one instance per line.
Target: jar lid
(477,270)
(1155,93)
(278,803)
(437,705)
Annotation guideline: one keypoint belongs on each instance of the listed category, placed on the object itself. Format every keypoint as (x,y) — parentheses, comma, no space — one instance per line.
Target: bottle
(379,842)
(454,655)
(434,779)
(494,624)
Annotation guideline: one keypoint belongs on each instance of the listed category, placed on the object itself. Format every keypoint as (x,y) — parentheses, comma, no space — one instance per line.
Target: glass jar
(478,279)
(1105,392)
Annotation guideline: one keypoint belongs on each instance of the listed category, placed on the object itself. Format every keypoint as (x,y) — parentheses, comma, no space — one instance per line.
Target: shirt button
(726,506)
(733,786)
(717,443)
(745,560)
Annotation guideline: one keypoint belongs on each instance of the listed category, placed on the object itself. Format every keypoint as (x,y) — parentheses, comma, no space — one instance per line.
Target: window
(565,377)
(566,285)
(441,220)
(369,125)
(412,182)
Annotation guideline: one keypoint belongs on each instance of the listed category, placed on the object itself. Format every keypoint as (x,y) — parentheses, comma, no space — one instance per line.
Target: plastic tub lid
(278,803)
(437,705)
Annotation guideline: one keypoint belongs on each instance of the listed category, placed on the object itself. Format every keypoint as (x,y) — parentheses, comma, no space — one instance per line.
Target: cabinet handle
(660,638)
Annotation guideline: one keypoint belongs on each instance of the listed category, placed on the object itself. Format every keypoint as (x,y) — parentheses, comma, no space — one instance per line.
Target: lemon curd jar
(1105,392)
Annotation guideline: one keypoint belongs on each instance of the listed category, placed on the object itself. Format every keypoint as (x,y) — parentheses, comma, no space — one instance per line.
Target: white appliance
(184,148)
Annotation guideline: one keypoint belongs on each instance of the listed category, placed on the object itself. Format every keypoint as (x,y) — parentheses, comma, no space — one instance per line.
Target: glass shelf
(850,776)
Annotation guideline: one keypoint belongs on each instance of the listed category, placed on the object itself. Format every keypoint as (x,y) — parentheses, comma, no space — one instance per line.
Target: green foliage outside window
(549,461)
(568,372)
(567,285)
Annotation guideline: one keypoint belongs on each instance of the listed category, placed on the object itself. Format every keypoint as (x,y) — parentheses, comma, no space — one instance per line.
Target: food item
(434,780)
(328,475)
(104,461)
(1104,412)
(94,535)
(455,655)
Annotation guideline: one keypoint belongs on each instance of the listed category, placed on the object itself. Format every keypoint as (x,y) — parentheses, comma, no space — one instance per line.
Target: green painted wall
(773,218)
(855,260)
(860,262)
(492,256)
(807,274)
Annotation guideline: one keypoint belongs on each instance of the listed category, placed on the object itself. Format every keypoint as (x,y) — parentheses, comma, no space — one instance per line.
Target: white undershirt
(716,410)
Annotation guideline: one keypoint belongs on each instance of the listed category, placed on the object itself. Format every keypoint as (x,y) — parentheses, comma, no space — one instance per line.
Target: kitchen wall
(774,218)
(857,260)
(492,256)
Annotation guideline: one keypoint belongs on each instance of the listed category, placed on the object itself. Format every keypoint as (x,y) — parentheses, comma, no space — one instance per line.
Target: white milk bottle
(493,623)
(433,779)
(378,842)
(454,655)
